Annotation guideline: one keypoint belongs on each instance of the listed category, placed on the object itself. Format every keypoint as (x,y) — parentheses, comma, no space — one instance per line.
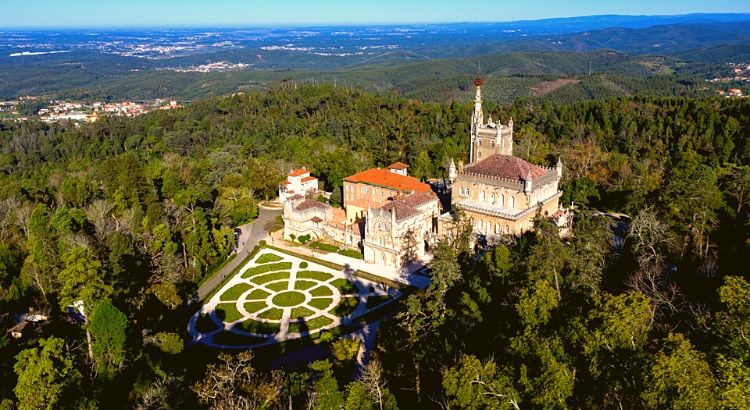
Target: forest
(647,306)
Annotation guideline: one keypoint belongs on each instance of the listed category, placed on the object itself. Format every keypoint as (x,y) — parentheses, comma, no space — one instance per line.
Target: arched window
(492,143)
(507,229)
(479,153)
(512,202)
(480,142)
(497,229)
(502,200)
(492,198)
(484,196)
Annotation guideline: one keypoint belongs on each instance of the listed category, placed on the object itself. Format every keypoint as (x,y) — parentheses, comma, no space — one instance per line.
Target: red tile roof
(398,165)
(384,178)
(305,179)
(507,167)
(408,206)
(298,172)
(316,220)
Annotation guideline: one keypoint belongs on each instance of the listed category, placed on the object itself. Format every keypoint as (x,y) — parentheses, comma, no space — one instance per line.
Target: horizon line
(347,24)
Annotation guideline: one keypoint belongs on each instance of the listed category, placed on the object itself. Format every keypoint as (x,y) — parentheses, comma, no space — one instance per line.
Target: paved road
(252,233)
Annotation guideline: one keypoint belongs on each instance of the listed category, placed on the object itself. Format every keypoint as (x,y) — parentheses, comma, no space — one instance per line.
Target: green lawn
(253,307)
(345,287)
(270,277)
(321,291)
(234,292)
(228,312)
(257,270)
(321,303)
(278,286)
(321,276)
(301,311)
(268,257)
(254,326)
(289,298)
(351,253)
(312,324)
(272,314)
(257,294)
(304,284)
(345,307)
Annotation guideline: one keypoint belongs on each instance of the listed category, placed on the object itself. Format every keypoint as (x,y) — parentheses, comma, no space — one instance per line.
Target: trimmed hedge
(321,303)
(268,257)
(346,307)
(253,307)
(257,270)
(278,286)
(228,312)
(321,291)
(324,247)
(345,287)
(257,294)
(272,314)
(254,326)
(301,311)
(308,274)
(234,292)
(310,325)
(270,277)
(304,284)
(351,253)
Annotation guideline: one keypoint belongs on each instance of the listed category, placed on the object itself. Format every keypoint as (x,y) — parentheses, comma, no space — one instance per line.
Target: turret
(452,174)
(527,183)
(559,167)
(478,116)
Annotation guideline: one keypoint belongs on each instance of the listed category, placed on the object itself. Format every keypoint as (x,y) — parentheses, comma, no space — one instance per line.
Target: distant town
(51,111)
(739,73)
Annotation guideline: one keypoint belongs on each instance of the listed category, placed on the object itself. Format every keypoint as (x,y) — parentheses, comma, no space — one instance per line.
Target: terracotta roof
(316,220)
(387,179)
(508,167)
(408,206)
(398,165)
(305,179)
(298,172)
(311,203)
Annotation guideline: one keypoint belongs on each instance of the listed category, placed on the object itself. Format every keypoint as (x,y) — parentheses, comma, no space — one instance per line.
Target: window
(492,143)
(497,229)
(507,229)
(484,197)
(480,142)
(512,202)
(365,189)
(492,198)
(479,153)
(502,200)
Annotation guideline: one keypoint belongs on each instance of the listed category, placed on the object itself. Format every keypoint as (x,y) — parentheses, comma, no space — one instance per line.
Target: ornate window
(492,142)
(492,198)
(507,229)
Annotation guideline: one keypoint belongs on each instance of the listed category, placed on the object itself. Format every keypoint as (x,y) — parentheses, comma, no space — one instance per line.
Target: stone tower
(487,138)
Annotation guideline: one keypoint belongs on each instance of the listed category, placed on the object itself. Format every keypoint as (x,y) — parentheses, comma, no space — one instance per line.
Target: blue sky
(92,13)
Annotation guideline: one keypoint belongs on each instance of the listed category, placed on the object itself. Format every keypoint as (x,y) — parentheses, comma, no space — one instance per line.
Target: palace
(500,193)
(393,218)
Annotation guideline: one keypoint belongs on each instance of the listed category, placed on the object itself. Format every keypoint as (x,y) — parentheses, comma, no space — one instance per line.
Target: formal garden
(276,297)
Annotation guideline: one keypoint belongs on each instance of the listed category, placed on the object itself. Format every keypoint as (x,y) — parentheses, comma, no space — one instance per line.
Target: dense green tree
(45,375)
(108,333)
